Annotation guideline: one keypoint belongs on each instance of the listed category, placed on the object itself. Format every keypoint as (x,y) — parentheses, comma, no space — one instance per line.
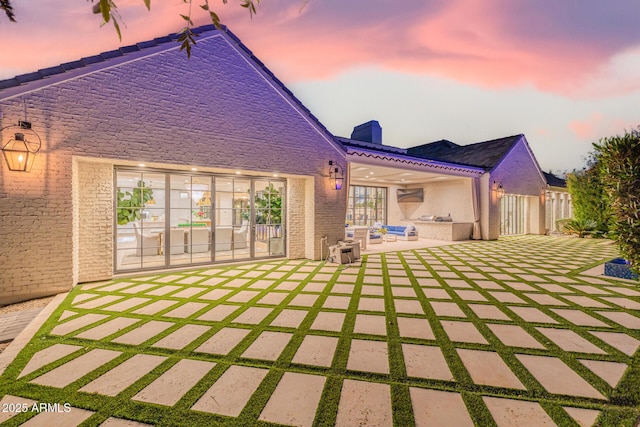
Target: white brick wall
(213,111)
(95,221)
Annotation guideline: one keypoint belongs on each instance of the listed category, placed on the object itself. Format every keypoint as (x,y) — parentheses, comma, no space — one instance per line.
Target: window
(512,218)
(367,205)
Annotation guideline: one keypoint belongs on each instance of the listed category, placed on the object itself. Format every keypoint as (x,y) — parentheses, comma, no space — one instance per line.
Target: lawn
(509,332)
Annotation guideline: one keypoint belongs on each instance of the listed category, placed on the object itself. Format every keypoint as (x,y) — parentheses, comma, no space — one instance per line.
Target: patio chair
(240,235)
(146,243)
(198,240)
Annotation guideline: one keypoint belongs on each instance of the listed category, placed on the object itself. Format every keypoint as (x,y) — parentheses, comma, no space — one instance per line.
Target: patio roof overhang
(398,167)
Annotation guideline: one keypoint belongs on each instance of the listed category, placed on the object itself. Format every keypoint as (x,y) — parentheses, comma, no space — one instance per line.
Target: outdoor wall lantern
(499,189)
(336,175)
(20,151)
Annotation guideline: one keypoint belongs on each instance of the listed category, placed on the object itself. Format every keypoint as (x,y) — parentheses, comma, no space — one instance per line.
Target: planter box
(619,268)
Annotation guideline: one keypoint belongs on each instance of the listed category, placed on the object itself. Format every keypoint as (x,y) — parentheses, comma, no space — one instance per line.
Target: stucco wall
(213,111)
(442,198)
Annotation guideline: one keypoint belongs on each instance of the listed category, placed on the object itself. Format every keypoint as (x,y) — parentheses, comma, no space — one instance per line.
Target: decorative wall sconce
(336,175)
(547,195)
(499,189)
(20,151)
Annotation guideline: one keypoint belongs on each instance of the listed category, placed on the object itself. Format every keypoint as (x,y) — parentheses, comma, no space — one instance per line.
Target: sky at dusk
(564,73)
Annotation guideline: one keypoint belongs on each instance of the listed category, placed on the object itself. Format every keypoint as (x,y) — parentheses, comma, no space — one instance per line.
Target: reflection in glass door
(200,219)
(268,218)
(189,237)
(140,219)
(232,215)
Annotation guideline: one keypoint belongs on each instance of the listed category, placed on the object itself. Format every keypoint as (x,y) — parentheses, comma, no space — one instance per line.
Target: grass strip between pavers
(529,260)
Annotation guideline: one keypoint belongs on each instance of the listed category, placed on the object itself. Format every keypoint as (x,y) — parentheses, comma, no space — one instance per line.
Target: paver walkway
(505,333)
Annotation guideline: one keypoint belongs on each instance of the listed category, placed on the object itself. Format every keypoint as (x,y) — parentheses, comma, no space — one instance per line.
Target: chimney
(368,132)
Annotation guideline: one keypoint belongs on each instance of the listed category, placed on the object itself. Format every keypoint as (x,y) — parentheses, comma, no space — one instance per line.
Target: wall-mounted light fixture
(336,175)
(547,195)
(20,151)
(499,189)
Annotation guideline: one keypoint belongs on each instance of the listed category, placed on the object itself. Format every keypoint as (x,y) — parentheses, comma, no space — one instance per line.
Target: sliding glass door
(202,218)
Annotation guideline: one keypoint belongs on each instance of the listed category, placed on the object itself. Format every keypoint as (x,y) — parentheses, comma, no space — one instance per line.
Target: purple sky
(563,73)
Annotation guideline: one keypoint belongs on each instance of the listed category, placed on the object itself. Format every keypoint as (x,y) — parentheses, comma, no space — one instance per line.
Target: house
(558,199)
(483,190)
(150,161)
(139,160)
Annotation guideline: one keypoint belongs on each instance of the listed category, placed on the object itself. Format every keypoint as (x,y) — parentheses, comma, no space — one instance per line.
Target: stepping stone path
(306,343)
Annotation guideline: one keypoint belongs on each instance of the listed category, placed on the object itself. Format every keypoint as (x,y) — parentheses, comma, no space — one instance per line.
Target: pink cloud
(494,44)
(597,126)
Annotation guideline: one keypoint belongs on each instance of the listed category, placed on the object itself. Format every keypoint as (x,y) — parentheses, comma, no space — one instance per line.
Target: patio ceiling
(400,176)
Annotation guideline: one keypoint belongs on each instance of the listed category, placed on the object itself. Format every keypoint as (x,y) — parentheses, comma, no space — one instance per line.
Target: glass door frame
(166,244)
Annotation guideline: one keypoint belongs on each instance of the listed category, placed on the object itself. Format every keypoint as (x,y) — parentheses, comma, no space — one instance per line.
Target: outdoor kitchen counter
(451,231)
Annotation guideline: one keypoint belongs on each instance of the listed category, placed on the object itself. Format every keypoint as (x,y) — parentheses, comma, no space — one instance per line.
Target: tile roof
(486,154)
(554,181)
(95,59)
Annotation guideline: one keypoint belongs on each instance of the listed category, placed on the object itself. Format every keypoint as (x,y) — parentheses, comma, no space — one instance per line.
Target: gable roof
(486,154)
(26,82)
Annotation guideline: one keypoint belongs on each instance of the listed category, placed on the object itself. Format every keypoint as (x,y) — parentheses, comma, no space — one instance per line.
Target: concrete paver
(155,307)
(328,321)
(579,318)
(556,377)
(584,417)
(517,413)
(486,367)
(107,328)
(370,324)
(10,406)
(173,384)
(611,372)
(439,408)
(426,362)
(123,375)
(142,333)
(368,356)
(77,323)
(289,318)
(74,417)
(223,341)
(75,369)
(410,327)
(570,341)
(295,400)
(182,337)
(185,310)
(364,404)
(231,392)
(268,346)
(219,313)
(447,309)
(463,332)
(316,351)
(48,355)
(514,336)
(623,342)
(532,314)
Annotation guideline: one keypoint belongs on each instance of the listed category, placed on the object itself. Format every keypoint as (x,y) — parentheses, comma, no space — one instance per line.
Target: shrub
(577,226)
(619,159)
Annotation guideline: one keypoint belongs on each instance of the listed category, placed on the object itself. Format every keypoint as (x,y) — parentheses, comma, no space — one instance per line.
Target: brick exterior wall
(217,111)
(94,205)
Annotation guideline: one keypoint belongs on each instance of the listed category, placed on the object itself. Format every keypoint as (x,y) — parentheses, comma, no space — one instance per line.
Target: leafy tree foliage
(619,164)
(187,38)
(588,196)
